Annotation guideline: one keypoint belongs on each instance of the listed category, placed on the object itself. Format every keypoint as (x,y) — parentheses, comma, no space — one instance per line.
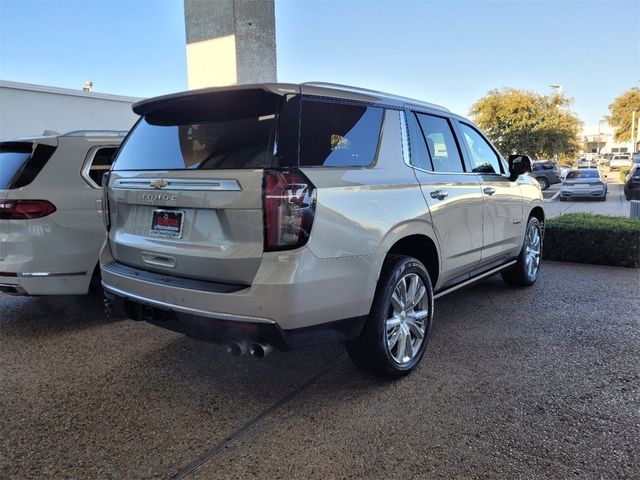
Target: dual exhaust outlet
(257,350)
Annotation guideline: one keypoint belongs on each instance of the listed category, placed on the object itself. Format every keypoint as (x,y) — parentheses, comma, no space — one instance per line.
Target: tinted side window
(101,163)
(483,158)
(418,155)
(338,135)
(21,162)
(441,143)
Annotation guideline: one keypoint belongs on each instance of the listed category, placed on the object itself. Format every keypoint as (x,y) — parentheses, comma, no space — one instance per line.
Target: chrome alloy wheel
(406,323)
(532,248)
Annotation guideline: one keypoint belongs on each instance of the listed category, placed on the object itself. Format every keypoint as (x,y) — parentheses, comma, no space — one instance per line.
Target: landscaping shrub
(589,238)
(623,173)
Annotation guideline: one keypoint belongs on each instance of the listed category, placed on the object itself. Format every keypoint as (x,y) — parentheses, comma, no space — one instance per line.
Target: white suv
(51,227)
(286,215)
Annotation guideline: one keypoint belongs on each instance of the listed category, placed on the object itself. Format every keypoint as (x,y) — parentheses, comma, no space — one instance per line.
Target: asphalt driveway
(516,383)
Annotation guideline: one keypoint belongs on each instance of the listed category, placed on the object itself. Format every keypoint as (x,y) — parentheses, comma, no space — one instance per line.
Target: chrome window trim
(88,163)
(404,133)
(218,185)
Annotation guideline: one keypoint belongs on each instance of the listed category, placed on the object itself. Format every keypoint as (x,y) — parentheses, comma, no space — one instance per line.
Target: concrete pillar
(230,42)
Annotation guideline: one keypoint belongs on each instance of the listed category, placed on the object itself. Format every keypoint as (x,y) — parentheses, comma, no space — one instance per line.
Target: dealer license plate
(167,223)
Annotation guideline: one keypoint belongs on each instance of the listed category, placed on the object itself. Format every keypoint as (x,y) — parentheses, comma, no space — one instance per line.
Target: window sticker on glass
(338,142)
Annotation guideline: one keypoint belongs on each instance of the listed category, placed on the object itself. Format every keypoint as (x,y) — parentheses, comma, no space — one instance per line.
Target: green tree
(520,121)
(620,117)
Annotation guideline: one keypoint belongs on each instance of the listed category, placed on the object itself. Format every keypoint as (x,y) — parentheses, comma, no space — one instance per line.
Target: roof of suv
(50,136)
(331,90)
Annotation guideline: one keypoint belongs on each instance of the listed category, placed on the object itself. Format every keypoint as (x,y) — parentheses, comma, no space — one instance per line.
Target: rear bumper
(12,289)
(216,330)
(43,283)
(291,290)
(596,192)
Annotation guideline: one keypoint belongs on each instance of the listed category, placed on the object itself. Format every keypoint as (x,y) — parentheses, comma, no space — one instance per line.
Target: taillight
(289,208)
(106,215)
(25,209)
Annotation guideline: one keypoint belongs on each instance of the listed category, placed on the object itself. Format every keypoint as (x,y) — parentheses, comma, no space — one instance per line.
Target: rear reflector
(25,209)
(289,208)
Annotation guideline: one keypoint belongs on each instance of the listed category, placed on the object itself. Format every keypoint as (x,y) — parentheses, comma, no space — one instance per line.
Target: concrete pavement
(541,382)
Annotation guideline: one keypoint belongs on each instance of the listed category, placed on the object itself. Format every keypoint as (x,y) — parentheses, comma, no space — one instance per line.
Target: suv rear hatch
(20,163)
(185,192)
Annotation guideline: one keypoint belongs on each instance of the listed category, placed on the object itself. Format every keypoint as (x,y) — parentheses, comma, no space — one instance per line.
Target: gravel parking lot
(517,383)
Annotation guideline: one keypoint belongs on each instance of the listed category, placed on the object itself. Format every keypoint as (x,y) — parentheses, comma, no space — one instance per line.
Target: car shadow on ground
(50,315)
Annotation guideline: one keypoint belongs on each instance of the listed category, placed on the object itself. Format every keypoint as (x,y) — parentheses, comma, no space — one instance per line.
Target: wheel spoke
(402,291)
(415,330)
(412,291)
(418,296)
(393,322)
(402,345)
(393,339)
(409,347)
(396,303)
(419,314)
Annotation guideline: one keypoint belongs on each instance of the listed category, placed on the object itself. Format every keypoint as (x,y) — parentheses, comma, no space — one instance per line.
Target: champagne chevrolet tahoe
(285,215)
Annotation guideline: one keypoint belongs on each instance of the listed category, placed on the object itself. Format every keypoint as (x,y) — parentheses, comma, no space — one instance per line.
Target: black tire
(627,196)
(563,199)
(518,274)
(544,182)
(604,198)
(369,351)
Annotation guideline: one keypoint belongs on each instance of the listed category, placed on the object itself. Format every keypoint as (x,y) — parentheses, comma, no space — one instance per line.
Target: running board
(493,271)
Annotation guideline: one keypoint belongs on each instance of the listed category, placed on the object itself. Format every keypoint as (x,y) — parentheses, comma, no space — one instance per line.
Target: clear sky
(449,53)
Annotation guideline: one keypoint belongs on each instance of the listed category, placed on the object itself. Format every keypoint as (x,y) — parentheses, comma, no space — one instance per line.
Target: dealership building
(30,110)
(599,138)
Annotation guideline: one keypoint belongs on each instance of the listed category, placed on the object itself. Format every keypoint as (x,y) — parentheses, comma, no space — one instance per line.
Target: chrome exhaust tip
(258,350)
(237,348)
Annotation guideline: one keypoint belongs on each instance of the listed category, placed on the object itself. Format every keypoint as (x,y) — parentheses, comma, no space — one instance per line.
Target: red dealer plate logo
(167,223)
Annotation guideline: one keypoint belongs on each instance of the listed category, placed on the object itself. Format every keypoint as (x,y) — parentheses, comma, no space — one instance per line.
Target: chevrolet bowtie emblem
(159,183)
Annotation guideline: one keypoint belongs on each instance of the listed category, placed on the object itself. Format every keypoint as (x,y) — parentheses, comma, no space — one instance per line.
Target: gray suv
(285,215)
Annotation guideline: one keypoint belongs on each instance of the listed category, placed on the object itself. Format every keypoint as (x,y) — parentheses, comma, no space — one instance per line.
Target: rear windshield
(231,144)
(21,162)
(583,174)
(259,134)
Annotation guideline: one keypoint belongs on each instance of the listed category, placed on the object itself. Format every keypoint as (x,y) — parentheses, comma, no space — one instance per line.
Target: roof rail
(348,88)
(96,133)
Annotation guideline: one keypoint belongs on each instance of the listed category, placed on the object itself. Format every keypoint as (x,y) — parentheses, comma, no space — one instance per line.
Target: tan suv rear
(281,215)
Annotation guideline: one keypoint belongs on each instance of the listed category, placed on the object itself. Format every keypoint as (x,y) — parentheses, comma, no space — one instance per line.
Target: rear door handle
(489,191)
(439,194)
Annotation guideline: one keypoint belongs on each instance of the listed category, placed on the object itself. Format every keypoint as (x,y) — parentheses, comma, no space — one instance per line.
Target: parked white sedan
(620,161)
(583,183)
(51,226)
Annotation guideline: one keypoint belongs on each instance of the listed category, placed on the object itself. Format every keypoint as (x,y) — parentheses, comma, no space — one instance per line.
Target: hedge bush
(623,173)
(589,238)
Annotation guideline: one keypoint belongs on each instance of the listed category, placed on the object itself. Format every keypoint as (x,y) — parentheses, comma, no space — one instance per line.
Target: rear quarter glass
(21,162)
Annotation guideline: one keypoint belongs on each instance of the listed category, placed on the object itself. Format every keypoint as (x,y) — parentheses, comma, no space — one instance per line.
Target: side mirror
(518,165)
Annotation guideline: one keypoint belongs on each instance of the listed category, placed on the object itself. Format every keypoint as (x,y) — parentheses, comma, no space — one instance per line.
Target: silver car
(285,215)
(51,227)
(583,183)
